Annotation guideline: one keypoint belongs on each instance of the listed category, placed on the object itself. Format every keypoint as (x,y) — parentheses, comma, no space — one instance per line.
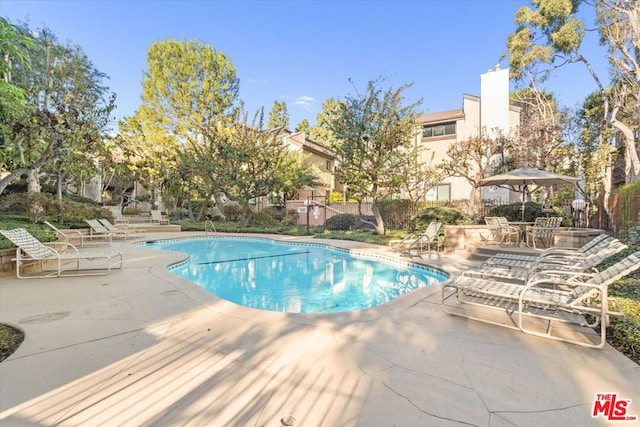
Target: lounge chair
(544,229)
(118,218)
(558,257)
(30,250)
(417,242)
(68,235)
(563,267)
(156,217)
(97,228)
(543,299)
(123,230)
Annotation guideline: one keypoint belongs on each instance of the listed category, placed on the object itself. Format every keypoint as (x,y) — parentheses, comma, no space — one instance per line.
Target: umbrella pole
(523,190)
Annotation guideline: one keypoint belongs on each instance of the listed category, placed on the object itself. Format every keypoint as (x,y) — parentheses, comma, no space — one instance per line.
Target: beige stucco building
(485,113)
(319,157)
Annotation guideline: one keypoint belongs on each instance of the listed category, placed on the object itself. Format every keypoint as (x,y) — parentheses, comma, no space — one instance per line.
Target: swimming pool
(293,277)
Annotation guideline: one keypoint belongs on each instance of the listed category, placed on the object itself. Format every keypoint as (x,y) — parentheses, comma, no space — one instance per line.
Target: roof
(441,116)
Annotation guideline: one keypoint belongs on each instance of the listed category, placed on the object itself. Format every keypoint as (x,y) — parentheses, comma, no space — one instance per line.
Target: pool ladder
(209,227)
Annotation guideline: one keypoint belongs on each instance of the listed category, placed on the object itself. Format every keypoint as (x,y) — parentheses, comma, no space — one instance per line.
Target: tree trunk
(375,208)
(33,180)
(220,204)
(7,180)
(244,218)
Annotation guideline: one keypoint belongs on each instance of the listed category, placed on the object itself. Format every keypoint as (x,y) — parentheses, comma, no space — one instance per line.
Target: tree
(14,48)
(67,113)
(248,162)
(542,124)
(279,117)
(474,159)
(303,126)
(550,35)
(374,135)
(321,131)
(187,88)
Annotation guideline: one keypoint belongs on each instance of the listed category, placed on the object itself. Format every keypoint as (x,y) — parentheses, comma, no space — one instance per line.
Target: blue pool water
(294,278)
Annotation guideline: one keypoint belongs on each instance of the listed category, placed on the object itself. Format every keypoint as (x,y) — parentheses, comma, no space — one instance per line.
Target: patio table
(522,235)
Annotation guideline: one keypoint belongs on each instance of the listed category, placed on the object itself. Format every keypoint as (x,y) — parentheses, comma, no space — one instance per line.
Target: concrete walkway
(143,347)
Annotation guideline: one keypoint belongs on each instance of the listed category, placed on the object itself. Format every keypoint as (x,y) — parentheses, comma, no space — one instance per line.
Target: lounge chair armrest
(67,244)
(554,277)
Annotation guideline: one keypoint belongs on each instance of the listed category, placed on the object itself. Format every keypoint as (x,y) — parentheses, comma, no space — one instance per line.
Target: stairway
(482,251)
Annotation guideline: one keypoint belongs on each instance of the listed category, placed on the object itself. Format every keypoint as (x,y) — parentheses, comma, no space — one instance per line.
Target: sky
(303,52)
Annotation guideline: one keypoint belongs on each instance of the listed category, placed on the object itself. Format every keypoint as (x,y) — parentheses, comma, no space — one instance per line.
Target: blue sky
(303,52)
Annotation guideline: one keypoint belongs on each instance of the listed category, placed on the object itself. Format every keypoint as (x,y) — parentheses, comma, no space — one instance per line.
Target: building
(486,113)
(319,157)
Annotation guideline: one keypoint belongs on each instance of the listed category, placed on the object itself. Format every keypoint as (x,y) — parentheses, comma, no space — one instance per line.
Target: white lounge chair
(571,262)
(76,235)
(123,230)
(97,228)
(54,262)
(156,217)
(544,299)
(562,267)
(417,242)
(525,261)
(118,218)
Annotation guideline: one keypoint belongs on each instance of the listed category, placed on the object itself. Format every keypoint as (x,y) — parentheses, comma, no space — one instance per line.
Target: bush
(396,212)
(33,205)
(532,210)
(291,218)
(447,216)
(262,218)
(131,211)
(276,212)
(233,211)
(341,222)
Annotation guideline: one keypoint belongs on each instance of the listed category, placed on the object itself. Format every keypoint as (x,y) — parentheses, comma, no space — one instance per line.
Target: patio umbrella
(523,177)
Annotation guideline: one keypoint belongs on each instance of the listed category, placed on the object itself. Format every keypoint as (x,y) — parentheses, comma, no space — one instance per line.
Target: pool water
(295,278)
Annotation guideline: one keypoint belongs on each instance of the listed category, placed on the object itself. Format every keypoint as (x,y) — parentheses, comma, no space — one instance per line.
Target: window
(441,192)
(439,129)
(328,165)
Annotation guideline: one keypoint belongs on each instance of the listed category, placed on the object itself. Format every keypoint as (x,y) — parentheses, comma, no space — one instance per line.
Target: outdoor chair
(581,301)
(54,262)
(562,254)
(499,230)
(156,218)
(118,218)
(418,242)
(551,265)
(96,228)
(124,230)
(544,229)
(68,235)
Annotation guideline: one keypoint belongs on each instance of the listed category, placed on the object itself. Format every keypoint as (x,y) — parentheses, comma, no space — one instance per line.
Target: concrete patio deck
(142,347)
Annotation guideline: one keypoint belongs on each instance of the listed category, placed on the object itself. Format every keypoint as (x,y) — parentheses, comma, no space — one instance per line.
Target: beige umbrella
(519,179)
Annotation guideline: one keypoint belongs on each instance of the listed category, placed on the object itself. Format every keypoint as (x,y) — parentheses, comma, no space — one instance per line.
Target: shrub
(341,222)
(33,205)
(396,212)
(532,210)
(336,197)
(131,211)
(233,211)
(262,218)
(448,216)
(71,212)
(276,212)
(291,218)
